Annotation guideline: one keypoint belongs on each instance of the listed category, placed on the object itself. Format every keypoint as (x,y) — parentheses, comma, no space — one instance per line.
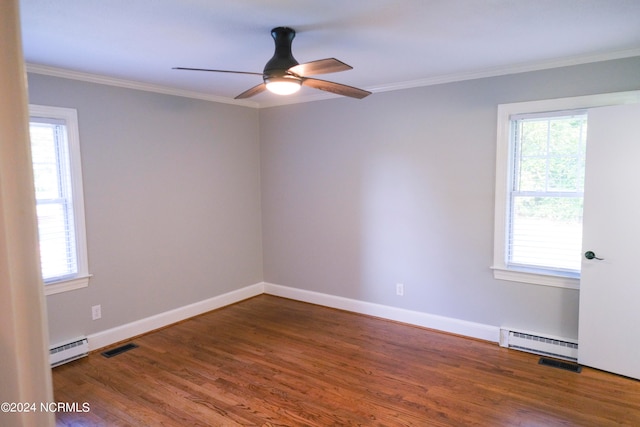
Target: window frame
(504,153)
(70,118)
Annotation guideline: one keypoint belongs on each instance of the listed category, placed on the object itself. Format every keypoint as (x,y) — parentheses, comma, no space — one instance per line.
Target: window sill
(67,285)
(502,273)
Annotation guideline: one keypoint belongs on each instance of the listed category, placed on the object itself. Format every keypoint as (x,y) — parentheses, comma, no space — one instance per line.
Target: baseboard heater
(68,351)
(560,348)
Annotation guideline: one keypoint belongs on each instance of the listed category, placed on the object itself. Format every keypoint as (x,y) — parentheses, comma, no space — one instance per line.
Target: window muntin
(57,171)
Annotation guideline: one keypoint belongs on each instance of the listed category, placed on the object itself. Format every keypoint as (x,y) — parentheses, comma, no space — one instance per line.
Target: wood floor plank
(269,361)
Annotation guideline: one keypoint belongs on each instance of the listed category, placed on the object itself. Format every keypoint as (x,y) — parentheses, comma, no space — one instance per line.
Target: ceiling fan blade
(253,91)
(321,66)
(336,88)
(217,71)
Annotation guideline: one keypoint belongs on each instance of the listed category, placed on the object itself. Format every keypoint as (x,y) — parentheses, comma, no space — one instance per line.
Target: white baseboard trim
(426,320)
(148,324)
(446,324)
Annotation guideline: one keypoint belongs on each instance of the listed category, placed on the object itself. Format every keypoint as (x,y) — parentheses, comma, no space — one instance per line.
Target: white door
(609,318)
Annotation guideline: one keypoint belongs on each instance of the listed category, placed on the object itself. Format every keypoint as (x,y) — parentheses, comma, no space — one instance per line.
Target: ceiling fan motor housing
(282,59)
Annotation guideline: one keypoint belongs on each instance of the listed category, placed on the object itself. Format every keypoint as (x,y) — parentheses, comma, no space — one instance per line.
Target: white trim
(507,70)
(426,320)
(278,101)
(67,285)
(148,324)
(417,318)
(130,84)
(535,278)
(505,111)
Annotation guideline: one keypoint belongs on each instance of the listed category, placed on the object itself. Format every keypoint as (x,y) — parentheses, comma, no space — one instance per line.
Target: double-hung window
(540,174)
(546,188)
(55,153)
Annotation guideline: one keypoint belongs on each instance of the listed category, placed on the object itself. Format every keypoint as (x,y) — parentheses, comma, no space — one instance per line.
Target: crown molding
(281,101)
(130,84)
(501,71)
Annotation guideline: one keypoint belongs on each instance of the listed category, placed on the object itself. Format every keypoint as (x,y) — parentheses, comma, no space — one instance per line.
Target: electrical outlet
(96,312)
(399,289)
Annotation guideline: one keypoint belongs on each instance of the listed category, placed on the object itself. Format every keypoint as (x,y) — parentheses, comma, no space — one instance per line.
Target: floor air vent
(559,364)
(68,351)
(560,348)
(119,350)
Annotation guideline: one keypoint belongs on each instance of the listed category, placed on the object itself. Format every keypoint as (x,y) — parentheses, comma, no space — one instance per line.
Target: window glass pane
(45,163)
(565,174)
(533,137)
(533,174)
(566,134)
(57,255)
(547,232)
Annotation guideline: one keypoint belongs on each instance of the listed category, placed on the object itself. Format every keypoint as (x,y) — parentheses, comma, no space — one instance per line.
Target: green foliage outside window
(551,160)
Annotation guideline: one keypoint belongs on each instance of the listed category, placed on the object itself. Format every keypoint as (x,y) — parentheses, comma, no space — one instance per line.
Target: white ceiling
(390,43)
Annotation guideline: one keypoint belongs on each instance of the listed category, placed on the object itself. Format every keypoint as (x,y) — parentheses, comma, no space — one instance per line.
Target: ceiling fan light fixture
(283,85)
(283,75)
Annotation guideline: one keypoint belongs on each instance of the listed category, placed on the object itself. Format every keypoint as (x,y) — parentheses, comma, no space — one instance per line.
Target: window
(55,153)
(546,187)
(540,171)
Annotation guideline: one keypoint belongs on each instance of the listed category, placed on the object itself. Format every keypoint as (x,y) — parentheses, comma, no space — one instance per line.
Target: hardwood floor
(270,361)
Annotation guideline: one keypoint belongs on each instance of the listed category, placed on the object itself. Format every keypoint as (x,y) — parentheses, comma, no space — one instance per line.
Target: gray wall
(172,199)
(399,187)
(187,199)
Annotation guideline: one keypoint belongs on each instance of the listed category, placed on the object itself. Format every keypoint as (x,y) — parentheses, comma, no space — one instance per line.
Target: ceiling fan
(283,75)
